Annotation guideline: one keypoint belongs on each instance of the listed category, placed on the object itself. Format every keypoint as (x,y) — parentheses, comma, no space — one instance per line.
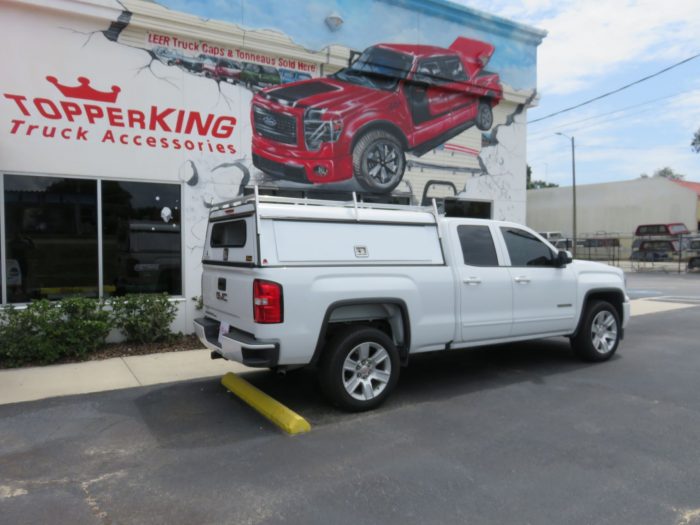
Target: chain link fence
(679,253)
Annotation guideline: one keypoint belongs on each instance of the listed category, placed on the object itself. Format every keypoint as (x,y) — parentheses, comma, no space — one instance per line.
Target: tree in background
(665,173)
(696,142)
(537,184)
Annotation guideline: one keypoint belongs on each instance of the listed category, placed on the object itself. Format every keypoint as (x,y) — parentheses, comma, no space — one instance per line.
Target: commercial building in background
(615,207)
(121,123)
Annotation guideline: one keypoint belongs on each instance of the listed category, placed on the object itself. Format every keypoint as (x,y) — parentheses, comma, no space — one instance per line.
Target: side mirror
(563,258)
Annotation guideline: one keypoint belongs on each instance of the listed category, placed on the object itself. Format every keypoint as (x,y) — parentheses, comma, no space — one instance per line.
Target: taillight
(267,302)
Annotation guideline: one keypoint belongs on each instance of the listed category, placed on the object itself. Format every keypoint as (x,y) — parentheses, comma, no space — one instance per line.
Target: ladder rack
(256,199)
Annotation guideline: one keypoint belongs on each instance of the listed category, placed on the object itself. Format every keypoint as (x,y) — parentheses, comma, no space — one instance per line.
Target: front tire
(359,368)
(378,161)
(599,335)
(484,115)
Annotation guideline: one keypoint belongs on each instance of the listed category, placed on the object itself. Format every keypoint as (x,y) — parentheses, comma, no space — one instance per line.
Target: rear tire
(359,368)
(599,334)
(378,161)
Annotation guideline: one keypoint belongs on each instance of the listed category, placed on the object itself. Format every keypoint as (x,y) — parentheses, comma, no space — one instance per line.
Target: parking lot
(521,433)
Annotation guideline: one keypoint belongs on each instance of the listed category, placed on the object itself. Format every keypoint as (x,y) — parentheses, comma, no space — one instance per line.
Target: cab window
(525,249)
(477,245)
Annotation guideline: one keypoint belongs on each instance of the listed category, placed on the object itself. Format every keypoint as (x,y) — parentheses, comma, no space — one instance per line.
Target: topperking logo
(85,114)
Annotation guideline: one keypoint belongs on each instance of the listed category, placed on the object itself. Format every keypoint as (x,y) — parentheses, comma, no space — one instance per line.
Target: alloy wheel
(366,371)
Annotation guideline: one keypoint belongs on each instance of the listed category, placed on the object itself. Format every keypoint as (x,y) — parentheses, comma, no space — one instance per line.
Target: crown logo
(84,91)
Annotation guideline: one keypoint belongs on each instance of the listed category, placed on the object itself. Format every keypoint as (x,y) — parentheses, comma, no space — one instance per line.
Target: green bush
(144,318)
(45,332)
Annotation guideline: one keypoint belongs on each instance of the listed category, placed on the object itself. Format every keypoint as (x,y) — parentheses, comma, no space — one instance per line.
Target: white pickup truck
(355,289)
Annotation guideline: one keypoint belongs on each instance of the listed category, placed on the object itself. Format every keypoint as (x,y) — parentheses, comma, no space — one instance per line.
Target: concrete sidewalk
(29,384)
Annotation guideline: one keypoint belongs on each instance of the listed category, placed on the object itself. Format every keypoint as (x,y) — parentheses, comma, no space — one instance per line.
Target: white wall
(617,207)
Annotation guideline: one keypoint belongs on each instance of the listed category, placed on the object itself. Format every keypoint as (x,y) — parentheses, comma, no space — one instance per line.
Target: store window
(141,238)
(50,237)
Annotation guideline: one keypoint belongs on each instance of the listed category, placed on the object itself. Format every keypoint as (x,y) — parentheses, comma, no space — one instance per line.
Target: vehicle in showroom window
(381,283)
(361,121)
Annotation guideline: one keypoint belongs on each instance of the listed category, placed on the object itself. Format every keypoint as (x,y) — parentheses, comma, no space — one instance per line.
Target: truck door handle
(521,279)
(472,281)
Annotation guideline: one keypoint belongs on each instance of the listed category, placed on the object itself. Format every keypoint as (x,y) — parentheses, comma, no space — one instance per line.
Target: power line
(566,125)
(639,81)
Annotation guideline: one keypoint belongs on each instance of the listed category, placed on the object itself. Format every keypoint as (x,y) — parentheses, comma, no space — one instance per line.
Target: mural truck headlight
(320,127)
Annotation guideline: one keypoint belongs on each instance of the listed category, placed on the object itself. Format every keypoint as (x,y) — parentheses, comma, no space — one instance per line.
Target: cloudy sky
(594,46)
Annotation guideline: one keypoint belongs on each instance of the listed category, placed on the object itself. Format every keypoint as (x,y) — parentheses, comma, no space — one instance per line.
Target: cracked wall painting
(271,96)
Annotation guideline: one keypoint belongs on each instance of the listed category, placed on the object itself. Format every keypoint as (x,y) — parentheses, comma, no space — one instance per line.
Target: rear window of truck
(230,234)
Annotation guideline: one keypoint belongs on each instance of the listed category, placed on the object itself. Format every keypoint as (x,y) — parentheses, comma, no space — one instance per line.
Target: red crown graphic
(84,90)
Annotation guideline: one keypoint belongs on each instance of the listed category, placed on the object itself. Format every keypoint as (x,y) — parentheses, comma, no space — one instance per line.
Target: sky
(594,46)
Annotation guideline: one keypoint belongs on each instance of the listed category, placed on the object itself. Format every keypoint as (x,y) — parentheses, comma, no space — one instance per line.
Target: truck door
(544,296)
(485,285)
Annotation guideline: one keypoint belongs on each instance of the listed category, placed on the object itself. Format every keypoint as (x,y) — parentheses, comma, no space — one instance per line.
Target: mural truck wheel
(378,161)
(484,115)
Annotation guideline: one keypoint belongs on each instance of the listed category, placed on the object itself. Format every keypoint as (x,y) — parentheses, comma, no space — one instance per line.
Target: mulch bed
(180,344)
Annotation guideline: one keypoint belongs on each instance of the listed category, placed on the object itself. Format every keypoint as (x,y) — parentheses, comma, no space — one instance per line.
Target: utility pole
(573,175)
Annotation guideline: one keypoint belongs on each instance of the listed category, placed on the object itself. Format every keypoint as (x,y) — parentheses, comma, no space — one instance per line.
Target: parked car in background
(655,251)
(255,76)
(552,236)
(190,63)
(228,70)
(672,229)
(209,65)
(694,253)
(166,55)
(288,75)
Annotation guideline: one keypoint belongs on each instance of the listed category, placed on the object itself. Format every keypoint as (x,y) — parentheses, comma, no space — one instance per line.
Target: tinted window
(228,234)
(453,70)
(525,249)
(477,246)
(51,237)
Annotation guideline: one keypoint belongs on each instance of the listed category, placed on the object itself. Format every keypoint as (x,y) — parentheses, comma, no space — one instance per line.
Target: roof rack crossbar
(257,199)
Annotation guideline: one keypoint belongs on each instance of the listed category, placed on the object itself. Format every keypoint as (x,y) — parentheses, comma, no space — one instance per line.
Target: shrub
(45,332)
(144,318)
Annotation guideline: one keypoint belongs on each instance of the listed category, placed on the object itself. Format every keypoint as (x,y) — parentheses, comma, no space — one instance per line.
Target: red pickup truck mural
(361,121)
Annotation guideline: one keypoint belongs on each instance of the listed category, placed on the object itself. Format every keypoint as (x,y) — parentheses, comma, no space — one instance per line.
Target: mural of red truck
(361,121)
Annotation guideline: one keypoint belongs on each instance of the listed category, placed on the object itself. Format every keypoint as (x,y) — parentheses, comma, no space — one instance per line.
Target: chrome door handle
(472,281)
(521,279)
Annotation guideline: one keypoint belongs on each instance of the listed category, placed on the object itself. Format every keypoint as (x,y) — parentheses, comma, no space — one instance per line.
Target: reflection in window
(141,238)
(525,249)
(51,237)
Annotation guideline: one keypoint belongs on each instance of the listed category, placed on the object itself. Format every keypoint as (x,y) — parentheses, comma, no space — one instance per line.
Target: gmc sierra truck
(355,289)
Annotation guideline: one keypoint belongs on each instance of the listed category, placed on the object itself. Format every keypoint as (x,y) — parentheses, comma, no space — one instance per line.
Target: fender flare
(405,319)
(584,305)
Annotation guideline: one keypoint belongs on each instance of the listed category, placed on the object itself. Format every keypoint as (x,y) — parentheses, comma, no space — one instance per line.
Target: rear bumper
(625,314)
(236,345)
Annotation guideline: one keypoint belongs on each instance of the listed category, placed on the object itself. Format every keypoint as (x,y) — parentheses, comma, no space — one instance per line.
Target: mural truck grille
(275,126)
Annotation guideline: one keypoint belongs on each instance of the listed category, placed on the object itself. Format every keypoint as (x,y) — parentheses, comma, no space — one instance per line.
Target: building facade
(121,123)
(614,207)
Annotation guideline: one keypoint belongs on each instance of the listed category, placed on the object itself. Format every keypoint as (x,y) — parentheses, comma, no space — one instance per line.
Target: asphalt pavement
(520,433)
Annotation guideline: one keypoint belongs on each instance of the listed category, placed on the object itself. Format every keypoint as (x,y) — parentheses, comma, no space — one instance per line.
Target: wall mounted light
(334,21)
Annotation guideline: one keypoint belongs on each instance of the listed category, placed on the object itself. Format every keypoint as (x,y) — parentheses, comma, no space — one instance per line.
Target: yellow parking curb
(288,420)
